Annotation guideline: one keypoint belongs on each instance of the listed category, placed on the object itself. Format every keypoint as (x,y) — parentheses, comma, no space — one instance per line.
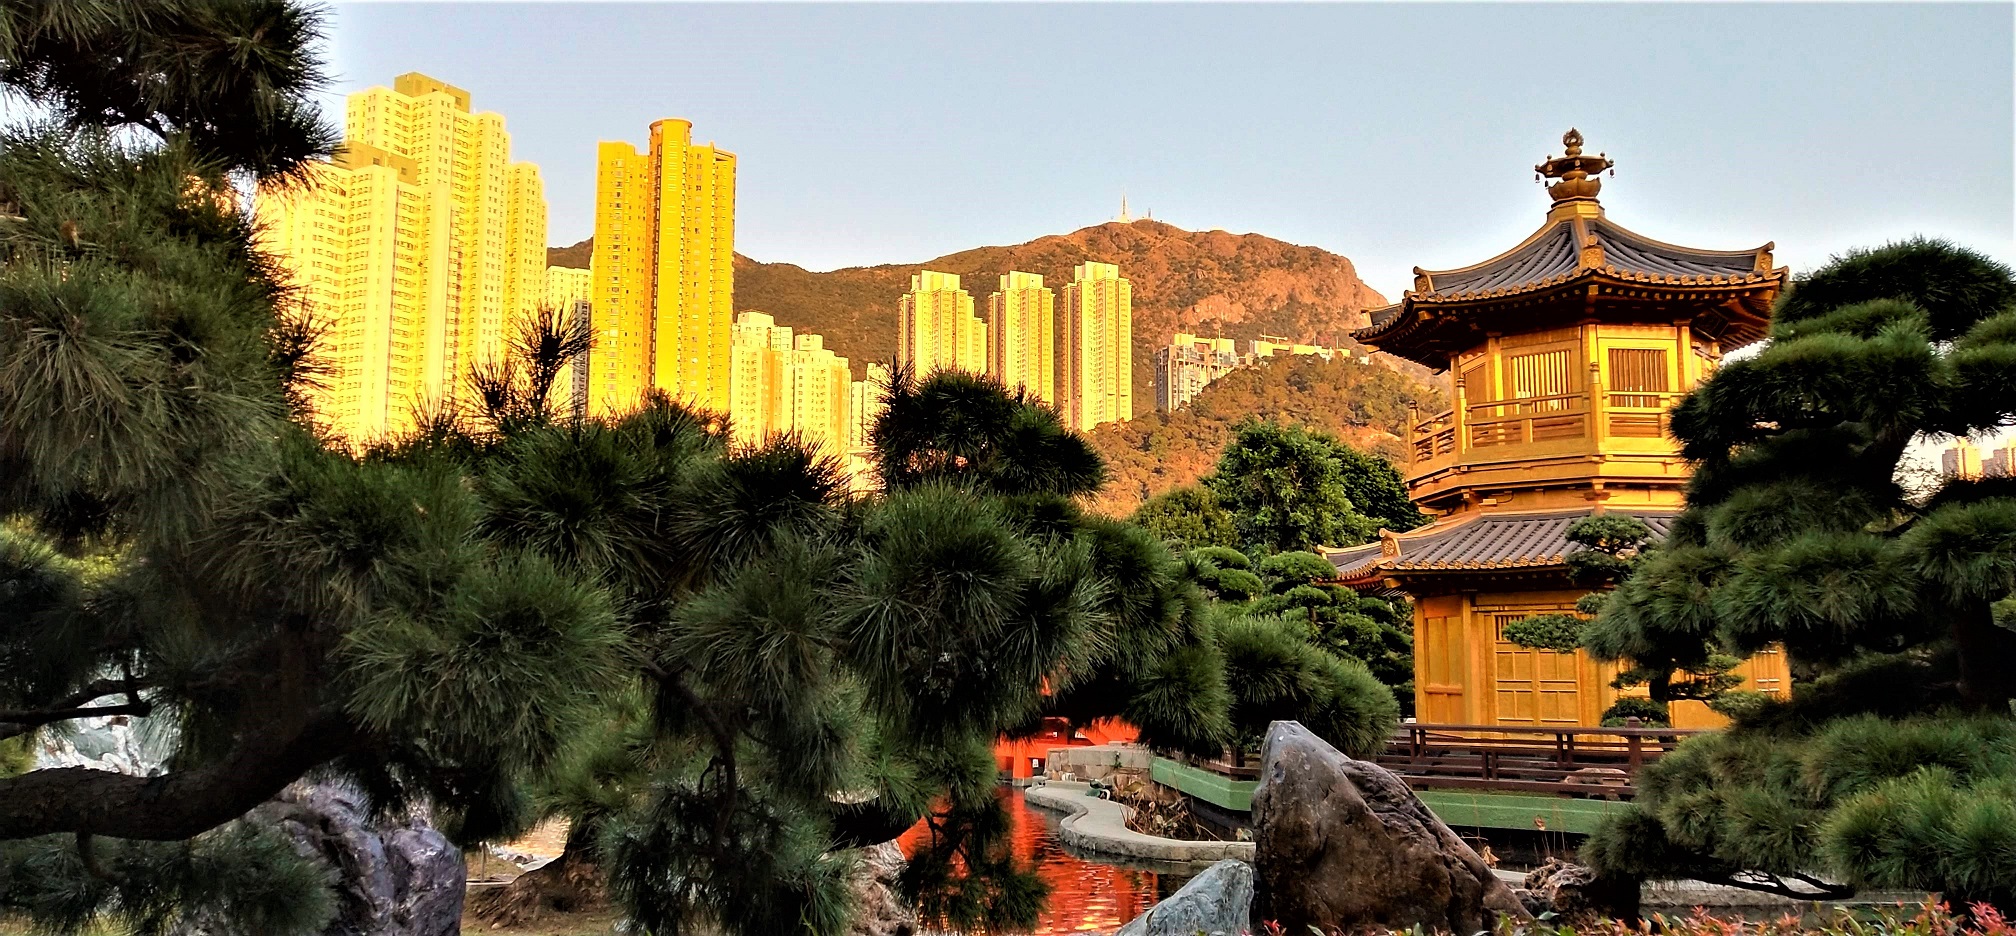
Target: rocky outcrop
(1344,843)
(396,878)
(1218,901)
(879,909)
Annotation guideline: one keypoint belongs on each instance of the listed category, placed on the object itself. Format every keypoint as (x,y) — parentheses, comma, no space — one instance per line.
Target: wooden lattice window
(1638,376)
(1541,374)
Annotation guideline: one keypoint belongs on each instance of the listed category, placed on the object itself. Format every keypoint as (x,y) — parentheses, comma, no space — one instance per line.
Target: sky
(1394,134)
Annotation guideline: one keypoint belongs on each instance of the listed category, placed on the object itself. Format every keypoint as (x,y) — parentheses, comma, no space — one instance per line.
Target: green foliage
(1276,673)
(1651,713)
(1290,488)
(1292,569)
(1894,767)
(232,80)
(1188,518)
(244,873)
(1561,633)
(955,425)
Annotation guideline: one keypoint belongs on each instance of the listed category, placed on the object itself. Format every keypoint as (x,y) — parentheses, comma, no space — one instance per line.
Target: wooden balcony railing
(1444,438)
(1434,437)
(1568,760)
(1531,419)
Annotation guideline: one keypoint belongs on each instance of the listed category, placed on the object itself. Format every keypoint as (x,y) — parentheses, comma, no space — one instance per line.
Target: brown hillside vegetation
(574,255)
(1203,282)
(1362,404)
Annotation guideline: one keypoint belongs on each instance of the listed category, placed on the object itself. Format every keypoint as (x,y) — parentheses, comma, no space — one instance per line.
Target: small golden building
(1564,355)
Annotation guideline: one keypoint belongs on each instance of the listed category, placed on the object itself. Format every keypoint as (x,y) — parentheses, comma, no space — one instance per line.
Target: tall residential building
(1095,340)
(865,405)
(1963,460)
(664,271)
(2000,463)
(936,329)
(1022,335)
(1188,365)
(420,249)
(567,292)
(785,383)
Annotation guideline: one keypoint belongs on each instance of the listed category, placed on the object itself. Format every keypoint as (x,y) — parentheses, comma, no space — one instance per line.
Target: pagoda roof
(1475,543)
(1578,253)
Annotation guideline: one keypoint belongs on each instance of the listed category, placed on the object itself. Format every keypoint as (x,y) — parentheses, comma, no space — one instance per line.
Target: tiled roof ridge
(1495,540)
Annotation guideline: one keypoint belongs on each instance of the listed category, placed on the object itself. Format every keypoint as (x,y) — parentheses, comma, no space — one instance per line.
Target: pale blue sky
(1395,134)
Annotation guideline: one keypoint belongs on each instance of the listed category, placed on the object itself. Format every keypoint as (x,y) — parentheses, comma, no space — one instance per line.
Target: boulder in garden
(1341,842)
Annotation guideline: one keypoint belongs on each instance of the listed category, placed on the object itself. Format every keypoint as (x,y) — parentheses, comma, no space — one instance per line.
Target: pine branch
(177,805)
(21,721)
(724,747)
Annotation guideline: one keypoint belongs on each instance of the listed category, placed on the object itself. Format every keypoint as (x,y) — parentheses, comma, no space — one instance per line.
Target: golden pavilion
(1564,355)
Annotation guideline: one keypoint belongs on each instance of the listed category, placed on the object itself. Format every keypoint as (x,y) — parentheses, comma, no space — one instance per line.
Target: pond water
(1088,894)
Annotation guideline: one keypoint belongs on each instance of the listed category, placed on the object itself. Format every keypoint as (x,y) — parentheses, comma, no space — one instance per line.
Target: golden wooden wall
(1466,673)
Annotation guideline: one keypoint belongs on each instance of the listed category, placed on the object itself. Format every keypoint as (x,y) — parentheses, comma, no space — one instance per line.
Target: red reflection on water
(1085,897)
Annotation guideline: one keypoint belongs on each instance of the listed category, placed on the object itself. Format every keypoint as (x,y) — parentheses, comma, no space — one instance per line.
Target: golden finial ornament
(1576,172)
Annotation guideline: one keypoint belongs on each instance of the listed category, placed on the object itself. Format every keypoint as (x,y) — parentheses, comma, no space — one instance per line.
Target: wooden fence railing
(1576,761)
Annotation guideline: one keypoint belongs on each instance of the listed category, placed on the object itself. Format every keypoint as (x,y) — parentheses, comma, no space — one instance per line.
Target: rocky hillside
(1362,404)
(1203,282)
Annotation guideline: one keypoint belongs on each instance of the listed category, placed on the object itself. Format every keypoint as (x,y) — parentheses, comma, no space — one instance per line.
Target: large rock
(397,877)
(880,910)
(1344,843)
(1219,901)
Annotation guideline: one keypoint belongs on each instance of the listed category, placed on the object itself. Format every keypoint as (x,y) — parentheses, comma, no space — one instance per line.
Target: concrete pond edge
(1100,825)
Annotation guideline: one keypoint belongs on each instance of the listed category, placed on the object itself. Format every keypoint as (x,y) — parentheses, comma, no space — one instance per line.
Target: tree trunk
(1987,657)
(571,883)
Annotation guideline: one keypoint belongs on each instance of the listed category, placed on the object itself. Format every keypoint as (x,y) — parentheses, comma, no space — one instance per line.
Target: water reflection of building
(1086,896)
(1565,354)
(1022,758)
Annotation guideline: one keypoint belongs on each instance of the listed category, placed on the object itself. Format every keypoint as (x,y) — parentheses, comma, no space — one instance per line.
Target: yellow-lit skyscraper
(664,271)
(1021,335)
(1095,341)
(788,383)
(865,405)
(936,328)
(420,248)
(567,290)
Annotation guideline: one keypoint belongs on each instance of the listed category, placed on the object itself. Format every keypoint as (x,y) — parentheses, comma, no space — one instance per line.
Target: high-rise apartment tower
(1189,364)
(1095,340)
(786,383)
(1022,335)
(567,291)
(936,329)
(664,272)
(420,249)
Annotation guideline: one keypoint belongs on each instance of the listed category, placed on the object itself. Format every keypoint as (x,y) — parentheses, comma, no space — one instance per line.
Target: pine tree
(1609,547)
(1895,764)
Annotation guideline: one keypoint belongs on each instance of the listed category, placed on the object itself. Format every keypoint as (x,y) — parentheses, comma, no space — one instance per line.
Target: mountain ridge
(1202,282)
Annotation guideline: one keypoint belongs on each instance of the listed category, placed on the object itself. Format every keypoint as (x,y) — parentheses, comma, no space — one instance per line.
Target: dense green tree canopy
(1292,488)
(1798,533)
(1188,518)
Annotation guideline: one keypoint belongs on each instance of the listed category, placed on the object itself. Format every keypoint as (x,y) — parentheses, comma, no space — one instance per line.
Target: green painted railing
(1461,809)
(1464,809)
(1220,791)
